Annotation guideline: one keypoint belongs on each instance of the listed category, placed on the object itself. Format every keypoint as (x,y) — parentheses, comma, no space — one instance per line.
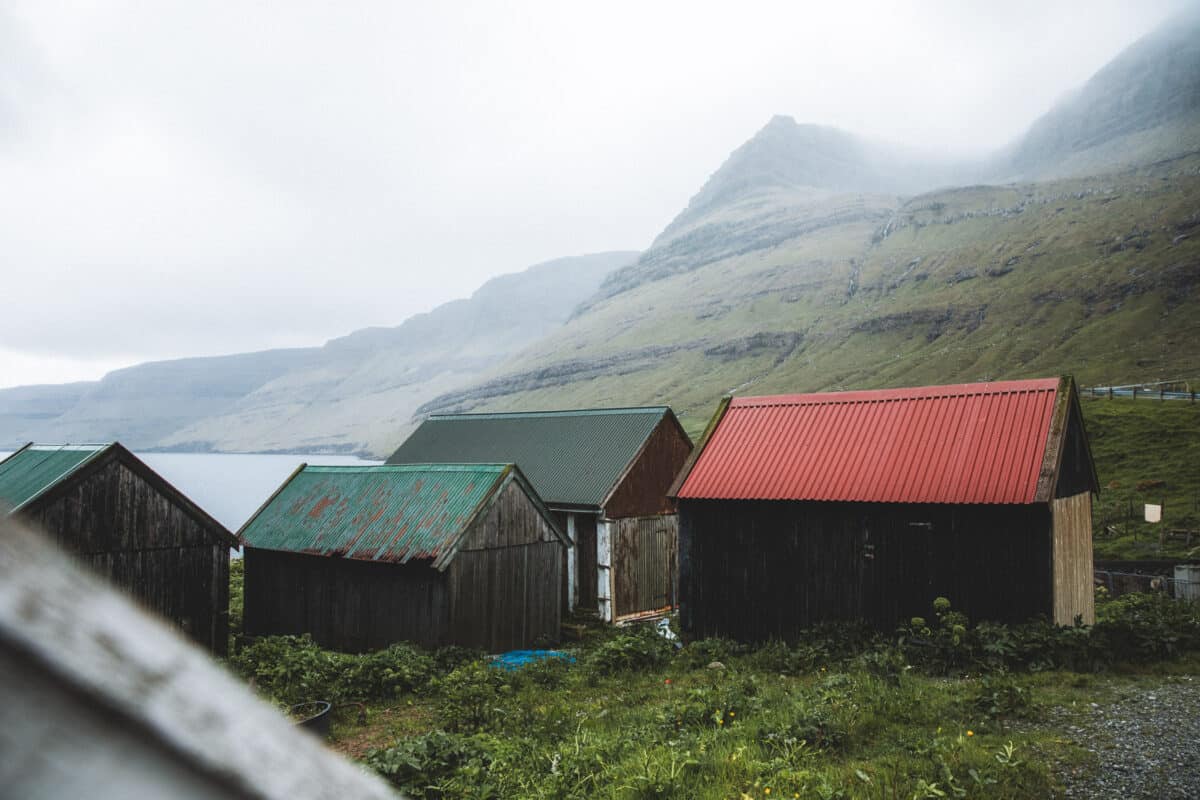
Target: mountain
(351,395)
(1138,108)
(812,260)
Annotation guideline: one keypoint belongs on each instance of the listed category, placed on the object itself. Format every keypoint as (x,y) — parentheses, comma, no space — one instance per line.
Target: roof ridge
(554,412)
(433,466)
(900,393)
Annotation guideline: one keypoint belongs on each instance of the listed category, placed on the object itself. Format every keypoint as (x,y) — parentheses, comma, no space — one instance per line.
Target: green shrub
(293,669)
(473,697)
(422,765)
(384,674)
(638,648)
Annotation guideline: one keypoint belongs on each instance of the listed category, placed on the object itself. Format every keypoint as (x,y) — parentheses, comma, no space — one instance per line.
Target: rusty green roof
(378,513)
(571,457)
(35,468)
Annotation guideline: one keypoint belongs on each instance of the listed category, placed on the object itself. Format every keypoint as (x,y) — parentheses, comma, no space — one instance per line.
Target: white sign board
(1153,513)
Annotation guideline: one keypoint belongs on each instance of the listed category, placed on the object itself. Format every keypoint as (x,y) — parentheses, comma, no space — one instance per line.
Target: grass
(1146,451)
(681,729)
(842,713)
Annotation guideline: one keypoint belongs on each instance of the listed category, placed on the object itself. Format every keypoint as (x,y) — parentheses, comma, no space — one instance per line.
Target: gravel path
(1147,744)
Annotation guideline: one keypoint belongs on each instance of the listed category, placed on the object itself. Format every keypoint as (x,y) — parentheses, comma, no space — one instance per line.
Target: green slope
(1146,451)
(1095,276)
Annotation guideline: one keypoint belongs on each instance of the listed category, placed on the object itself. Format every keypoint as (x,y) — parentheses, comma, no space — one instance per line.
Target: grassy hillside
(1097,277)
(1146,451)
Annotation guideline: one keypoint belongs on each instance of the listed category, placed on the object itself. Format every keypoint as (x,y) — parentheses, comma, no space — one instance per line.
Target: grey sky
(200,177)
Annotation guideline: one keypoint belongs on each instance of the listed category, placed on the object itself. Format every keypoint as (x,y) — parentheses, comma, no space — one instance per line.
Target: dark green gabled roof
(571,457)
(35,468)
(379,513)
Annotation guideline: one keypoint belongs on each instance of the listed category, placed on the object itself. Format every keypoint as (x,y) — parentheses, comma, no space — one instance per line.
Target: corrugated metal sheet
(966,443)
(37,467)
(378,513)
(570,457)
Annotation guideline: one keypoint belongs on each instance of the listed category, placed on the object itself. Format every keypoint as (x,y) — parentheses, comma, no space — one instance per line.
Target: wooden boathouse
(604,473)
(111,511)
(436,554)
(800,509)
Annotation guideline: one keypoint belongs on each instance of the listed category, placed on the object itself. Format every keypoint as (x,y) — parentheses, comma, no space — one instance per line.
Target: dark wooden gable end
(642,488)
(125,521)
(505,577)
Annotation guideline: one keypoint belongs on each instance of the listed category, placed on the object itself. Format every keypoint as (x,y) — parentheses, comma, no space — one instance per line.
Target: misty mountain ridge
(811,259)
(345,396)
(1142,106)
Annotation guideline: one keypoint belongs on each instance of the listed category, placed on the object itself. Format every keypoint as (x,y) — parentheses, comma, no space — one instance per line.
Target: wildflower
(667,681)
(720,722)
(732,714)
(970,733)
(767,790)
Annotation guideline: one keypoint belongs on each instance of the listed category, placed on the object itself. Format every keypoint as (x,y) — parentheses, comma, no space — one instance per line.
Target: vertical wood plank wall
(344,604)
(644,564)
(121,526)
(1073,593)
(506,582)
(756,570)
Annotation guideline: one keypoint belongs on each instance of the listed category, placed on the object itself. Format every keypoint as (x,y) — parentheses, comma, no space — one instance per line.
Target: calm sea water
(231,487)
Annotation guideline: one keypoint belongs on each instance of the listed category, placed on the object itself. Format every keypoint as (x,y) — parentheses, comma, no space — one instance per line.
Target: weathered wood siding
(1073,593)
(642,490)
(505,583)
(345,604)
(119,524)
(502,589)
(644,564)
(755,570)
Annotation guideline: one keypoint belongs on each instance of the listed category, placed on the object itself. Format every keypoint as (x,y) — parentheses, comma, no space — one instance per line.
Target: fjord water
(231,486)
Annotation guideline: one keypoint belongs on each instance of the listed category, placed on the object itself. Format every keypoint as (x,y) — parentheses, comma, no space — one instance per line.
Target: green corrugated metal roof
(378,513)
(36,467)
(570,457)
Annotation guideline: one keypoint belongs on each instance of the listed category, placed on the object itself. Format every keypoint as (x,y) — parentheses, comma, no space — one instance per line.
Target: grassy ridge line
(1087,276)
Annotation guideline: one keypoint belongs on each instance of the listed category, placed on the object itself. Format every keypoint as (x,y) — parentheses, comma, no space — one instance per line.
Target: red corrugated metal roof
(966,443)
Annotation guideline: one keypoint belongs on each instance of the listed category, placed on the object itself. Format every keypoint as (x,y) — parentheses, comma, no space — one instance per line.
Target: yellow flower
(720,722)
(970,733)
(767,790)
(732,714)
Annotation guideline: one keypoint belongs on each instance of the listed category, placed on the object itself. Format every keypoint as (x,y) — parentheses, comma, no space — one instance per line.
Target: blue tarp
(515,659)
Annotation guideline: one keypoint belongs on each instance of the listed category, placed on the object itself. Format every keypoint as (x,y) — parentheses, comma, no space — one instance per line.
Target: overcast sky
(199,178)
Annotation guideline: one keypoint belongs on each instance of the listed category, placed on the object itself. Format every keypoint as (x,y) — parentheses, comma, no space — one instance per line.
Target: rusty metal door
(645,570)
